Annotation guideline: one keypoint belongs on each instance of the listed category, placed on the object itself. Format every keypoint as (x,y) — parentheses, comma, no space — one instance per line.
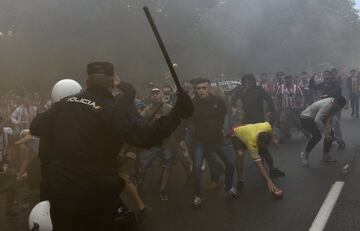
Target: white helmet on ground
(39,218)
(64,88)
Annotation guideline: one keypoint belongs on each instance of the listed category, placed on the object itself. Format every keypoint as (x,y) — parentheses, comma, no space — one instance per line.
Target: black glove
(183,107)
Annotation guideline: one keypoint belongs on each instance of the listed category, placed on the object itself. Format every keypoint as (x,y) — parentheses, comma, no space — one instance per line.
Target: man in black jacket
(208,122)
(87,131)
(353,84)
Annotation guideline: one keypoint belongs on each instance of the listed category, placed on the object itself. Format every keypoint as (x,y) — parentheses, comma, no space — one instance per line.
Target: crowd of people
(229,118)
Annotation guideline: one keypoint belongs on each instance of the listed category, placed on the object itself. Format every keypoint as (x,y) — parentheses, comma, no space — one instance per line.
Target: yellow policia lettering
(84,101)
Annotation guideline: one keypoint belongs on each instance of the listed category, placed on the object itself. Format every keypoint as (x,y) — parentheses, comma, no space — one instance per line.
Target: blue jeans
(225,151)
(215,167)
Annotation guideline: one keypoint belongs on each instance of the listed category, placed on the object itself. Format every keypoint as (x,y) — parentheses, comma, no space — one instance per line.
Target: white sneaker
(203,166)
(304,159)
(197,202)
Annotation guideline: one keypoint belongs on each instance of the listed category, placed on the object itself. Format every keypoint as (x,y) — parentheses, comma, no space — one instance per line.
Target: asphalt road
(304,192)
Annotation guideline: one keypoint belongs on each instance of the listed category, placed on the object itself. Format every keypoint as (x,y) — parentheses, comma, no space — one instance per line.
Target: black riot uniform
(87,131)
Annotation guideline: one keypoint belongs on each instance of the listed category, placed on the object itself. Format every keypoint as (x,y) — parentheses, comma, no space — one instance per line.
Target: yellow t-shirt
(248,135)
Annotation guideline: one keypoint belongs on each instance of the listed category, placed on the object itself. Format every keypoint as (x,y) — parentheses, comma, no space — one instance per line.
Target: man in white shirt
(316,119)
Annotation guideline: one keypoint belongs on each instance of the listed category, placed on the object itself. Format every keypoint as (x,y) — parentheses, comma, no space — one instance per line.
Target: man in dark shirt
(87,131)
(208,122)
(330,87)
(252,99)
(353,86)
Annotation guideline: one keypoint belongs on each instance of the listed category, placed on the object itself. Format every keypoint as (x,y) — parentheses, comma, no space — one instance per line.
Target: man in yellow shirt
(253,137)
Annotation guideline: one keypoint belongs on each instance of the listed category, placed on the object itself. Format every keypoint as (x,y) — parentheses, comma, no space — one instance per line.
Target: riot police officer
(87,131)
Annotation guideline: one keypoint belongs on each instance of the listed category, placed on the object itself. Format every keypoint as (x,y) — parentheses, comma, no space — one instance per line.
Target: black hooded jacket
(252,102)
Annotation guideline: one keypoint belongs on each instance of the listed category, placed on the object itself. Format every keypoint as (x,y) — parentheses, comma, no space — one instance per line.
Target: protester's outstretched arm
(145,136)
(42,123)
(271,186)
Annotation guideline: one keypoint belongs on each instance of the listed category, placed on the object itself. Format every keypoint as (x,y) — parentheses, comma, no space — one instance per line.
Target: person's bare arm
(25,139)
(271,186)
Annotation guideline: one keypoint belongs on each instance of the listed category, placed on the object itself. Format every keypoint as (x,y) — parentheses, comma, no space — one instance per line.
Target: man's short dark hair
(340,101)
(100,67)
(201,80)
(100,74)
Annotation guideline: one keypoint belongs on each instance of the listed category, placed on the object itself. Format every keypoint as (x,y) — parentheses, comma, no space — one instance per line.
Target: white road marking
(324,213)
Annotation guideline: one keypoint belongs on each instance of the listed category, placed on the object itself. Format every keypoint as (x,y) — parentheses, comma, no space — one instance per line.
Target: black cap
(100,68)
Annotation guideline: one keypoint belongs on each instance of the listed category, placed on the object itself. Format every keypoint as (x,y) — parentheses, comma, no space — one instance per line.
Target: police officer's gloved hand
(183,107)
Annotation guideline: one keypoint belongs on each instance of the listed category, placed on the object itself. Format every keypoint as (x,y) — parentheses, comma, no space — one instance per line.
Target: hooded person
(252,98)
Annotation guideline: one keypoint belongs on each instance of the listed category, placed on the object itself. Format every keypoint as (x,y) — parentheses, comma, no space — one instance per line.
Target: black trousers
(309,125)
(64,219)
(354,101)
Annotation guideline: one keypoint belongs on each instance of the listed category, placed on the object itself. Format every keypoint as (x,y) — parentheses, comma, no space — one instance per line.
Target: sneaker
(233,193)
(203,167)
(143,213)
(304,159)
(164,195)
(197,202)
(213,185)
(275,172)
